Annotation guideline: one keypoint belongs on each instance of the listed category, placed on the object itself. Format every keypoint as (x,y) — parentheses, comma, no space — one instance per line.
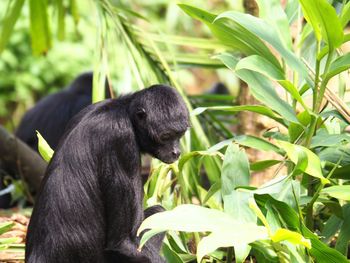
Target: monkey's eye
(165,137)
(141,113)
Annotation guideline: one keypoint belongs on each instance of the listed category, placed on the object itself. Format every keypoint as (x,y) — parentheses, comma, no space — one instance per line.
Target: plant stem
(324,81)
(315,93)
(229,255)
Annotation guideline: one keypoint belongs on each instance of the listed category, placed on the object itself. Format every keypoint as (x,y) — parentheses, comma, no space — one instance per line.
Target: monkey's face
(161,139)
(167,149)
(160,118)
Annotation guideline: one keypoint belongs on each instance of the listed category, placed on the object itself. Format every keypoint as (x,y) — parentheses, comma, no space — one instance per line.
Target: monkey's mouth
(166,159)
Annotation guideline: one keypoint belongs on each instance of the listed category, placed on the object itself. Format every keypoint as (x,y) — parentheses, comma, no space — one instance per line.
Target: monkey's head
(160,118)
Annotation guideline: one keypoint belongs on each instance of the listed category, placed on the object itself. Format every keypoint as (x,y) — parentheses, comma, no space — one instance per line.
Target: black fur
(90,203)
(51,114)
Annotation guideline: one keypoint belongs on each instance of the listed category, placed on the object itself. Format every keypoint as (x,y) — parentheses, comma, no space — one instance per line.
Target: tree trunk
(17,156)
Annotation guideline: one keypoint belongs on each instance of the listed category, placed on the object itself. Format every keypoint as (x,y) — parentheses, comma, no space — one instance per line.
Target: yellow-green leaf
(293,237)
(44,148)
(313,166)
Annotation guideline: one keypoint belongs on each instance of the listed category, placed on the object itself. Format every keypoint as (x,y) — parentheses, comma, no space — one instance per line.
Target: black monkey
(90,203)
(52,113)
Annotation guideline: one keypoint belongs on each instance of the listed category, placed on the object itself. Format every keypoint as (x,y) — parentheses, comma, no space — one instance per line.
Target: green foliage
(294,207)
(294,216)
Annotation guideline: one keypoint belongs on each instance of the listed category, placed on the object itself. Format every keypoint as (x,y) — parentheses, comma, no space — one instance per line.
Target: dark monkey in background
(90,203)
(52,113)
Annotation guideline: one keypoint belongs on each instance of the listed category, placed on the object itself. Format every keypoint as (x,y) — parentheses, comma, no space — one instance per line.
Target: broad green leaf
(44,148)
(325,139)
(171,255)
(39,26)
(344,234)
(228,59)
(262,165)
(192,218)
(339,65)
(264,252)
(281,188)
(189,218)
(214,188)
(313,167)
(262,89)
(261,65)
(338,191)
(233,236)
(342,172)
(324,20)
(235,169)
(272,12)
(345,15)
(8,22)
(319,250)
(259,214)
(237,205)
(290,236)
(331,227)
(235,36)
(256,143)
(263,110)
(212,151)
(267,33)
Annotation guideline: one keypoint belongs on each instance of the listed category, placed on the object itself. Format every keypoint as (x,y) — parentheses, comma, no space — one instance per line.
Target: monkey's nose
(176,153)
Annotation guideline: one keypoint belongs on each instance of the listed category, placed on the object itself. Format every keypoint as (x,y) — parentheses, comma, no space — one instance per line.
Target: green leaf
(235,36)
(235,169)
(267,33)
(313,167)
(326,140)
(339,65)
(237,205)
(281,188)
(330,228)
(262,165)
(232,236)
(344,234)
(262,89)
(319,250)
(10,240)
(290,236)
(324,20)
(261,65)
(263,110)
(226,231)
(13,11)
(44,148)
(60,20)
(171,255)
(345,15)
(256,143)
(39,27)
(4,227)
(338,191)
(74,11)
(272,12)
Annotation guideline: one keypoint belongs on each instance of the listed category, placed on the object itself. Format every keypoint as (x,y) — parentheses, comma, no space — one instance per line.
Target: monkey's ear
(141,113)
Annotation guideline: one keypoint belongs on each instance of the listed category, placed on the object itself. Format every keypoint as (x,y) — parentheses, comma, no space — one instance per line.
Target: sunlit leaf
(235,169)
(313,167)
(39,26)
(293,237)
(8,22)
(44,148)
(338,191)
